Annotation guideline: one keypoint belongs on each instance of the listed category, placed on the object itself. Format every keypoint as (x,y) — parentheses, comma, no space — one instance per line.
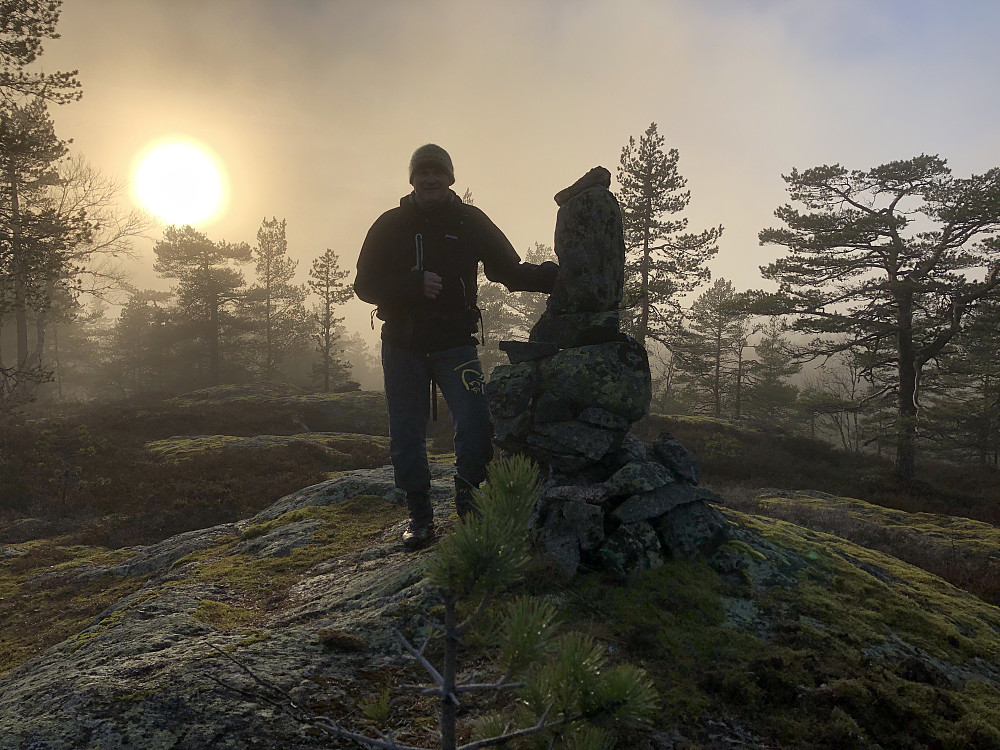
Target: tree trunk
(739,385)
(213,344)
(906,424)
(19,273)
(644,293)
(717,375)
(449,711)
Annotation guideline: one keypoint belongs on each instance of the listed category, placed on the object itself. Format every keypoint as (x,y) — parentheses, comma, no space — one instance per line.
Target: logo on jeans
(472,376)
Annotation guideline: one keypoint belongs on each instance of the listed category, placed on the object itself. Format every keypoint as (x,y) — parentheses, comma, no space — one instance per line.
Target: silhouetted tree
(364,365)
(140,353)
(327,282)
(273,309)
(662,261)
(24,26)
(208,287)
(36,237)
(709,350)
(963,395)
(91,267)
(768,395)
(889,258)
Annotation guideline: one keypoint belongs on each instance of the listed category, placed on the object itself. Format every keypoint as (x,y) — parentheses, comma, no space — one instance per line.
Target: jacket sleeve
(375,282)
(502,263)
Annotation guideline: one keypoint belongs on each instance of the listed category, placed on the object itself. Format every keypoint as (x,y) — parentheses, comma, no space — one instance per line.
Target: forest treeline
(879,329)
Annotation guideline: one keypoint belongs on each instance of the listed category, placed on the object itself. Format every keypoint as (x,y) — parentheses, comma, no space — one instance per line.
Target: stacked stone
(569,397)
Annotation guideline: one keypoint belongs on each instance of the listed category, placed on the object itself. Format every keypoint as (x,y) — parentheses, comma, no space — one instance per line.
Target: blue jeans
(459,375)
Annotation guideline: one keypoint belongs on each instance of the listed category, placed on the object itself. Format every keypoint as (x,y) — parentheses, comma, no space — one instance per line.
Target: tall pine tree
(208,286)
(274,307)
(709,351)
(886,259)
(663,261)
(327,282)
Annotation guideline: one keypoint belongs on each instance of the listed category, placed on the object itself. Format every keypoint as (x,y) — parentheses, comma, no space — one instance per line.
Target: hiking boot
(465,497)
(421,528)
(418,534)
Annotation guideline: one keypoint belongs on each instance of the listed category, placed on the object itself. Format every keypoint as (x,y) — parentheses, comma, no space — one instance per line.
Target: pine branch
(541,726)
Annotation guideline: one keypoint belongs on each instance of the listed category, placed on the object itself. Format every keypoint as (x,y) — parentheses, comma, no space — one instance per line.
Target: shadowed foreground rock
(141,674)
(569,397)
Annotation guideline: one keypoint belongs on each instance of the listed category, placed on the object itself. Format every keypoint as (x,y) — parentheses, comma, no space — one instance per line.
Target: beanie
(430,155)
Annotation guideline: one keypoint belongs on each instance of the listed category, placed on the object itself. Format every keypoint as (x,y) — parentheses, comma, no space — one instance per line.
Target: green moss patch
(343,449)
(51,593)
(963,551)
(223,616)
(344,528)
(847,648)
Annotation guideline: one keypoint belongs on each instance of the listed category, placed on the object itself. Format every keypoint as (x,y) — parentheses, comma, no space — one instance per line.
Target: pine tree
(887,259)
(663,262)
(709,351)
(208,287)
(962,394)
(327,282)
(24,25)
(569,692)
(273,308)
(36,237)
(768,396)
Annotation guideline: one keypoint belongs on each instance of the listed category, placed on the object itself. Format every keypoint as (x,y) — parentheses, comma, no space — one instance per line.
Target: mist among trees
(878,332)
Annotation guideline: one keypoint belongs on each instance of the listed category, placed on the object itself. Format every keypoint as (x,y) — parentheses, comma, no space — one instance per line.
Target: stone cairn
(569,397)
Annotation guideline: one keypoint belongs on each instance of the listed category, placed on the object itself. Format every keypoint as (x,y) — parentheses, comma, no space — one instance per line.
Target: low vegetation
(861,642)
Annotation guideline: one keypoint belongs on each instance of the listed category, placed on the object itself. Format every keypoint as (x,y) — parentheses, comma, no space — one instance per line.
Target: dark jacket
(451,241)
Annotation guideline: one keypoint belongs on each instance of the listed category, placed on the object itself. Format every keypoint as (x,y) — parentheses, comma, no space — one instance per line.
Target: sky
(313,107)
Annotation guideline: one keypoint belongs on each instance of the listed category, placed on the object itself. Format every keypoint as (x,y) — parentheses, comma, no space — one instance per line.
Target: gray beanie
(430,155)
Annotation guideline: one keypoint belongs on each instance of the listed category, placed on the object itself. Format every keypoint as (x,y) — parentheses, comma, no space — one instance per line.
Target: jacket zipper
(418,241)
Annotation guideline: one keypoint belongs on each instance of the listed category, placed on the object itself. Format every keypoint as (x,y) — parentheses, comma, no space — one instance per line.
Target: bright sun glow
(180,181)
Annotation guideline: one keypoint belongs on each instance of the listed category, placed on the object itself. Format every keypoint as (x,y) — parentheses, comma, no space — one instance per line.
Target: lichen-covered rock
(142,673)
(586,521)
(596,177)
(279,542)
(591,251)
(526,351)
(669,451)
(613,376)
(691,529)
(161,556)
(631,448)
(511,388)
(646,505)
(551,408)
(638,477)
(511,430)
(378,482)
(571,439)
(607,420)
(569,528)
(595,494)
(632,546)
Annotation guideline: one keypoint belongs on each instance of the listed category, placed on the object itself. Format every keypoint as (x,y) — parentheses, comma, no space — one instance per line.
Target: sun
(180,181)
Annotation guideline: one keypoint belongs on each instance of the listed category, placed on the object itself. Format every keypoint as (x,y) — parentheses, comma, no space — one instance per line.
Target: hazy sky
(314,106)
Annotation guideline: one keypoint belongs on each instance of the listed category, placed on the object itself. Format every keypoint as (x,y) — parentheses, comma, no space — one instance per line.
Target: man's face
(430,185)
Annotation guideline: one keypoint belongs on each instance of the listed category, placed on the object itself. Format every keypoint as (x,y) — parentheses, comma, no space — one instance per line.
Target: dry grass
(90,474)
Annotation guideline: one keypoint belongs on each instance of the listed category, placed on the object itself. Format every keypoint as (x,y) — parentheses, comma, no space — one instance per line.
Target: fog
(314,106)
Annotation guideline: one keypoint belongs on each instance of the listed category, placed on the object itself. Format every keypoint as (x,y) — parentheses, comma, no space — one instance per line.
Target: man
(420,264)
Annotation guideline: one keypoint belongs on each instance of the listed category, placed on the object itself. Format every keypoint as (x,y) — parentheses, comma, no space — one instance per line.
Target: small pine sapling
(569,694)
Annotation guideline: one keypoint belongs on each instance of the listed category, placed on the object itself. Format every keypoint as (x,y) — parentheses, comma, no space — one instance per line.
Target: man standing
(419,264)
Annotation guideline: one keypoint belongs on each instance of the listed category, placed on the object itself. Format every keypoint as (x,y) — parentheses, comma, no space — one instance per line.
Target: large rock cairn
(569,397)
